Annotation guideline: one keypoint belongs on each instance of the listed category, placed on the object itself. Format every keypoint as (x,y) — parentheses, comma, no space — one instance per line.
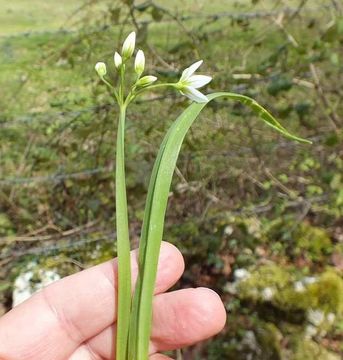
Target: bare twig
(59,234)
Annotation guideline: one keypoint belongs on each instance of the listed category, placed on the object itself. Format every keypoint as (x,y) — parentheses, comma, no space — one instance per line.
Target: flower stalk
(123,242)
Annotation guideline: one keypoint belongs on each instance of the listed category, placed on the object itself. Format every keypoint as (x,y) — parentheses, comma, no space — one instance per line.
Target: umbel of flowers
(188,84)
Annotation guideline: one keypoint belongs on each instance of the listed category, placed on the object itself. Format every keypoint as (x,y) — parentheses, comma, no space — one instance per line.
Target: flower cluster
(187,85)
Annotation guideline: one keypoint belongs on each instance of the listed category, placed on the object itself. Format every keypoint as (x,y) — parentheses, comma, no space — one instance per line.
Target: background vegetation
(242,197)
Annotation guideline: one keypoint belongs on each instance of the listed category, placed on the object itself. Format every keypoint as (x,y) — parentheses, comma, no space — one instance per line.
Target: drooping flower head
(189,83)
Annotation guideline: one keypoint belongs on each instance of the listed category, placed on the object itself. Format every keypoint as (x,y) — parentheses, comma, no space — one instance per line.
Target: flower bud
(117,60)
(129,46)
(139,63)
(100,68)
(146,80)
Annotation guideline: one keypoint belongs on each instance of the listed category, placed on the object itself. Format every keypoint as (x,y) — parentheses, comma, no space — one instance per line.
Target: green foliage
(278,85)
(6,226)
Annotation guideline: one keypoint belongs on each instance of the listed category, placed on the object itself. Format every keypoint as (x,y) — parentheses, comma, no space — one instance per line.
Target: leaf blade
(156,205)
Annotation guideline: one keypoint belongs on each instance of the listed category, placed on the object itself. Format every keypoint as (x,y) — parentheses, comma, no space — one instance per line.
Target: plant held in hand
(134,315)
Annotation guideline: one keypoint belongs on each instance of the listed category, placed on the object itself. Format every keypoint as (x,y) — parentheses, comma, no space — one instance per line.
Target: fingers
(85,353)
(180,318)
(53,323)
(185,317)
(159,357)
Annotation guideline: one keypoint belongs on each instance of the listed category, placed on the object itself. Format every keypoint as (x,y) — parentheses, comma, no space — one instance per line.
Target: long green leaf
(156,205)
(142,251)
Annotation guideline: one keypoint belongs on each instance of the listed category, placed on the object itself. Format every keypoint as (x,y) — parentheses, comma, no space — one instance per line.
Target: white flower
(139,62)
(189,83)
(117,60)
(267,293)
(100,68)
(129,46)
(146,80)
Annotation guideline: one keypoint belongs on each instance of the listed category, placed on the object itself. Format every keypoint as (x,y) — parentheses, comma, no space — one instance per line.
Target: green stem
(123,244)
(172,85)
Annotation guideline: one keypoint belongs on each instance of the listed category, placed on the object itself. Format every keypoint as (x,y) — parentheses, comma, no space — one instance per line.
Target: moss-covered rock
(280,287)
(263,283)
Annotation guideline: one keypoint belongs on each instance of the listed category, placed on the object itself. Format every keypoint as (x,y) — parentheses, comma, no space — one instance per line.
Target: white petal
(197,81)
(190,70)
(194,94)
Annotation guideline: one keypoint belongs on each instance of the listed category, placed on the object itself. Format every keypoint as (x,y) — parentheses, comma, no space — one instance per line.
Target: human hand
(74,318)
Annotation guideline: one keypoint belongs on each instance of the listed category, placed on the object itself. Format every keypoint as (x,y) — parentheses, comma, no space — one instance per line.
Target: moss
(267,276)
(309,350)
(314,241)
(325,294)
(6,227)
(269,339)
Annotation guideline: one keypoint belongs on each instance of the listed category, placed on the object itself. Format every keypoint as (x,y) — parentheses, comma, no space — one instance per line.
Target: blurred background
(257,217)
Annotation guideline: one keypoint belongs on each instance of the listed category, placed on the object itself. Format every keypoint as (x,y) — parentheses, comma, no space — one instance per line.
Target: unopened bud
(129,46)
(146,80)
(100,68)
(139,62)
(117,60)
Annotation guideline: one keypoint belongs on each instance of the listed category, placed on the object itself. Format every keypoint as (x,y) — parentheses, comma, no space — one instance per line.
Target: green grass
(36,15)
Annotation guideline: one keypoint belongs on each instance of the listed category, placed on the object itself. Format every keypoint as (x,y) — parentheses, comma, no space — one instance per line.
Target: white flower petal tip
(129,46)
(117,60)
(146,80)
(188,83)
(139,62)
(100,68)
(190,70)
